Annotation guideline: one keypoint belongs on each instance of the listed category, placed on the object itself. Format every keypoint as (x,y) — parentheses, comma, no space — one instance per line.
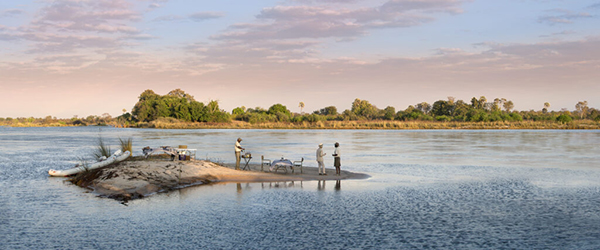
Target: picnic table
(285,163)
(281,164)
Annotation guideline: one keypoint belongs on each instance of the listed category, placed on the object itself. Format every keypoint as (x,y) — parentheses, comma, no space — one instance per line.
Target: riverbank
(378,124)
(136,179)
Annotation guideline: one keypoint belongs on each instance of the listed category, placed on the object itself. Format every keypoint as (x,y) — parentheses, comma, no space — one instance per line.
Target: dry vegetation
(174,124)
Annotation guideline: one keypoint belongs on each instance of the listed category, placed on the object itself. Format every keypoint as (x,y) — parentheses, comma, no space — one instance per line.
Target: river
(450,189)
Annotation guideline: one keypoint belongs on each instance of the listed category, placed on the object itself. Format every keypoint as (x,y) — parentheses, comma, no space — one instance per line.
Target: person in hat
(336,159)
(238,152)
(320,155)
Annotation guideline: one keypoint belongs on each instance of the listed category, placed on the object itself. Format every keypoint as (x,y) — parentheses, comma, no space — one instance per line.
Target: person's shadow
(338,185)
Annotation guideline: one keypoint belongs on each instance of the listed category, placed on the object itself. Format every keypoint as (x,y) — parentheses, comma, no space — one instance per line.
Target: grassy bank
(176,124)
(376,125)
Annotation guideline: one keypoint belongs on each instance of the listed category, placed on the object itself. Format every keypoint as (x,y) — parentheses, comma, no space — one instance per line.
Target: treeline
(477,110)
(180,107)
(50,121)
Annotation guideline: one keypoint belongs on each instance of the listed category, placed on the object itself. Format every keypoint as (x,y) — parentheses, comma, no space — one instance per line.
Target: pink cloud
(291,22)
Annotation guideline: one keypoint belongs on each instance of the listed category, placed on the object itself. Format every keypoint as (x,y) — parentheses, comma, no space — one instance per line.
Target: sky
(69,58)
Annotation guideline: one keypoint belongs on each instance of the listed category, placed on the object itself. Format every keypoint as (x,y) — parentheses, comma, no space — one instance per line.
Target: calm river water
(524,189)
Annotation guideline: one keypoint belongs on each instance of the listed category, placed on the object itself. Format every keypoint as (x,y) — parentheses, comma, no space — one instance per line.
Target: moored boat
(116,157)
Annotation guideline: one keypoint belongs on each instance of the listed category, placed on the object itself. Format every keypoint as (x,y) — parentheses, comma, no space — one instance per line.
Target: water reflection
(282,184)
(321,185)
(430,189)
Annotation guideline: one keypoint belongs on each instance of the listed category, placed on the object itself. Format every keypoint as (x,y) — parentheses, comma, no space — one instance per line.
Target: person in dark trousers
(336,159)
(238,151)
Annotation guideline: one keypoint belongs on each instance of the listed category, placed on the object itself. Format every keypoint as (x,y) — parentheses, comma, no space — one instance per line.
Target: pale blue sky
(84,57)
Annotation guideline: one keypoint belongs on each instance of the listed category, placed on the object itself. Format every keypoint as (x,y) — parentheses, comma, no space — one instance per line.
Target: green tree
(389,113)
(423,107)
(582,109)
(329,110)
(564,118)
(281,112)
(278,108)
(482,101)
(197,112)
(363,108)
(441,108)
(508,106)
(178,93)
(238,111)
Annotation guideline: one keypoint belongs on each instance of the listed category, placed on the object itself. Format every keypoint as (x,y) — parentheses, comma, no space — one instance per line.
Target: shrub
(563,118)
(516,117)
(443,118)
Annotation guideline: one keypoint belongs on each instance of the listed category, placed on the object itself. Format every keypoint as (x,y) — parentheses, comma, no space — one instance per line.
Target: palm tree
(301,105)
(546,106)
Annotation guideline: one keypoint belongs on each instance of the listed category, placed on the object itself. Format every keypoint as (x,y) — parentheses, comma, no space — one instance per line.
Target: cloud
(207,15)
(399,6)
(139,37)
(6,34)
(326,1)
(88,16)
(168,18)
(594,6)
(233,52)
(293,22)
(11,12)
(564,17)
(562,33)
(73,26)
(54,43)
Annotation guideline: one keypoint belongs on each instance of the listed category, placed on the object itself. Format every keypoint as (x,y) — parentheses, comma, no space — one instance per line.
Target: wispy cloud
(594,6)
(154,6)
(54,43)
(89,16)
(11,12)
(207,15)
(307,21)
(168,18)
(562,33)
(67,29)
(563,17)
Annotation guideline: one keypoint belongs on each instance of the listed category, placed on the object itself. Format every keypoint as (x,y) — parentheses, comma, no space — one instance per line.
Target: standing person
(336,159)
(320,155)
(238,152)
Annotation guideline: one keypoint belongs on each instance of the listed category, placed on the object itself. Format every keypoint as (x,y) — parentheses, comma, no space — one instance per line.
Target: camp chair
(264,162)
(298,164)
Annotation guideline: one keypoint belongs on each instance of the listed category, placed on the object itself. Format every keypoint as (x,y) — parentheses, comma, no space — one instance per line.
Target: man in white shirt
(238,152)
(336,159)
(320,155)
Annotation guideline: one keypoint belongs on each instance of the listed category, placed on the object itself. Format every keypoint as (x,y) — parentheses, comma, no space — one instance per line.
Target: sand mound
(139,178)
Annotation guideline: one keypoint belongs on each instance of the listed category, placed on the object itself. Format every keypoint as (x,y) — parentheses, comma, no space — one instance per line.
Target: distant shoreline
(376,125)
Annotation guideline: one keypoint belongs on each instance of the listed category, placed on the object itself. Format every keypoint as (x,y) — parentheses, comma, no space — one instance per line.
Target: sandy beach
(135,179)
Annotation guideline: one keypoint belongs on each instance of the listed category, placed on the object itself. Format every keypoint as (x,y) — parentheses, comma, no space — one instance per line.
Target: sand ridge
(134,179)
